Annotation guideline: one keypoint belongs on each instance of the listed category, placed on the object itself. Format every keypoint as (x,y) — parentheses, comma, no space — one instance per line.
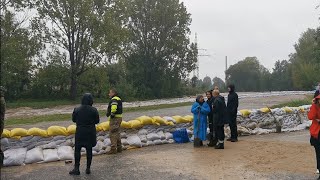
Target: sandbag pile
(22,146)
(36,145)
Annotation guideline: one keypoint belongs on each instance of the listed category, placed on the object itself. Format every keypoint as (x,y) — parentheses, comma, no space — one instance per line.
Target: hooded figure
(317,93)
(200,110)
(314,116)
(232,110)
(85,117)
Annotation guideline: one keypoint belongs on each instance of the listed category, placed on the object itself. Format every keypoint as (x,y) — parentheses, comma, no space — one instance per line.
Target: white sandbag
(142,132)
(144,145)
(170,119)
(98,146)
(67,143)
(150,143)
(165,141)
(100,138)
(14,157)
(34,155)
(50,155)
(168,135)
(57,138)
(51,145)
(153,136)
(4,142)
(124,142)
(161,135)
(134,140)
(94,153)
(157,142)
(143,138)
(35,139)
(107,142)
(123,135)
(65,153)
(171,141)
(27,138)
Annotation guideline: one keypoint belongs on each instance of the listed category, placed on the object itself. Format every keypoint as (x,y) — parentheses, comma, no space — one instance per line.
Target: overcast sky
(267,29)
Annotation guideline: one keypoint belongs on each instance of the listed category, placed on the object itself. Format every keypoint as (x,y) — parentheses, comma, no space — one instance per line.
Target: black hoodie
(233,101)
(85,118)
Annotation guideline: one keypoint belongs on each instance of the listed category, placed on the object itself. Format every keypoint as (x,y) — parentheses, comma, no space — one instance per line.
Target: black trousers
(77,155)
(316,144)
(233,126)
(220,133)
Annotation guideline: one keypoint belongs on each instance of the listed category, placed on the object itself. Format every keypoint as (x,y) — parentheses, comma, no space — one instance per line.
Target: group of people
(216,113)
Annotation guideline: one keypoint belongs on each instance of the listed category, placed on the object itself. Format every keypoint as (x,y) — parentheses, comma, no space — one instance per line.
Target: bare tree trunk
(74,84)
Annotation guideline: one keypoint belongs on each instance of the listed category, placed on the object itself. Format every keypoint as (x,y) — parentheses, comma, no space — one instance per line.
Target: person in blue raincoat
(200,109)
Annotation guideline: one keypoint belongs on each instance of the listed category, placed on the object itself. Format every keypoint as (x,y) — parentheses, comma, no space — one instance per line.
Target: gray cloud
(267,29)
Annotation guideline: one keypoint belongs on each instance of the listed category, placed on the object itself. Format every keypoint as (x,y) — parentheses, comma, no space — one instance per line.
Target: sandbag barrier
(36,145)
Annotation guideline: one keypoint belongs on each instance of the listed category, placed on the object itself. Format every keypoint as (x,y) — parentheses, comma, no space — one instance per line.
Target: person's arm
(205,109)
(74,114)
(97,119)
(195,108)
(312,113)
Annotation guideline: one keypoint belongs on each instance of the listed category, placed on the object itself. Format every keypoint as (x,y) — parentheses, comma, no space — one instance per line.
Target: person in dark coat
(218,110)
(85,117)
(211,135)
(232,110)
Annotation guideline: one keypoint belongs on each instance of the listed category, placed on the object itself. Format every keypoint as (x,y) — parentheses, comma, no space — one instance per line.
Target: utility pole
(198,64)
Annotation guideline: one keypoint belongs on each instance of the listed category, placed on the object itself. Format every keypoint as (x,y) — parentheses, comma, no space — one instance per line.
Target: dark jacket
(317,93)
(233,102)
(209,102)
(85,118)
(115,108)
(219,111)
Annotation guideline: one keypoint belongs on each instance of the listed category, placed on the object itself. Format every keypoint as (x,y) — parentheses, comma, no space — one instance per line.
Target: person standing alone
(115,116)
(85,117)
(232,110)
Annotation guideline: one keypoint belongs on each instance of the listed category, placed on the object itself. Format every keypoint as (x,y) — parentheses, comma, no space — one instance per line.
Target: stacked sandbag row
(36,145)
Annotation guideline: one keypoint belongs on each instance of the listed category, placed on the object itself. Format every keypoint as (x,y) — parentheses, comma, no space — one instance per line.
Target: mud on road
(275,156)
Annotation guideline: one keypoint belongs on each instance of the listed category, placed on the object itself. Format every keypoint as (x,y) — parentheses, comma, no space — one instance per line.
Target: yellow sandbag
(159,120)
(37,132)
(265,110)
(16,137)
(5,133)
(105,126)
(180,119)
(135,124)
(72,129)
(99,128)
(154,122)
(57,131)
(245,112)
(287,110)
(145,120)
(18,132)
(189,118)
(125,124)
(169,123)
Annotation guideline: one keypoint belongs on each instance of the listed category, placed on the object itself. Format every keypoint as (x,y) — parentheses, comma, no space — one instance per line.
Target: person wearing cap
(85,117)
(200,110)
(2,115)
(232,110)
(314,116)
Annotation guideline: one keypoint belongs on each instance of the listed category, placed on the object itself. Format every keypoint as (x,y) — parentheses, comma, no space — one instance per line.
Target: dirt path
(274,156)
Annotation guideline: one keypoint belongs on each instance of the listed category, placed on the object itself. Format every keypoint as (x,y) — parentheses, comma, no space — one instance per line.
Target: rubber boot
(119,149)
(220,146)
(113,151)
(211,143)
(88,171)
(75,171)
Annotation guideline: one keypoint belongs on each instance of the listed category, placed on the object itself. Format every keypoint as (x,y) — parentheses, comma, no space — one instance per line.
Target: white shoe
(318,171)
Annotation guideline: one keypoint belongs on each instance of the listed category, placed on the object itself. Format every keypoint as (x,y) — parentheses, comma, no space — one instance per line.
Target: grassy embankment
(66,117)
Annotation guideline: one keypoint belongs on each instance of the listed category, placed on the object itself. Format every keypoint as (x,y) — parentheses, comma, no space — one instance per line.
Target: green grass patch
(67,117)
(295,103)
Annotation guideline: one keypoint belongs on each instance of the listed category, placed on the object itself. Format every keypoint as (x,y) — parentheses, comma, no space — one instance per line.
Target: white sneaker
(318,171)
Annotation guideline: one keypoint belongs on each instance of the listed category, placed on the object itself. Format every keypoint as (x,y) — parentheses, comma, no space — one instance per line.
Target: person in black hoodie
(232,110)
(85,117)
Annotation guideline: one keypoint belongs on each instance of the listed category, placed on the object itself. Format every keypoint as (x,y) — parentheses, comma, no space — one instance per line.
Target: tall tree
(160,53)
(281,78)
(306,61)
(216,81)
(207,83)
(90,31)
